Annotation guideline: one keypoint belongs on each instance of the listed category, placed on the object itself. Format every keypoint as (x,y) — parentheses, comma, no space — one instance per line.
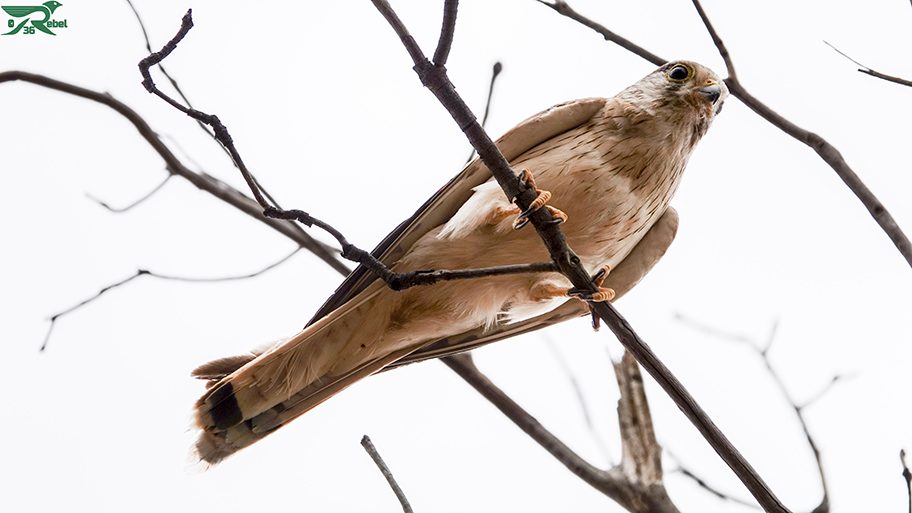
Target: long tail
(253,395)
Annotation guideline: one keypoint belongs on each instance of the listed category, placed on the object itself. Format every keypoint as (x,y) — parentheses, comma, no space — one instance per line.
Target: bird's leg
(543,291)
(543,196)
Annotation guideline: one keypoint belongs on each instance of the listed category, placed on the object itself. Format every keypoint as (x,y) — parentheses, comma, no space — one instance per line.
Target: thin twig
(402,281)
(384,469)
(712,490)
(167,75)
(134,203)
(161,276)
(720,45)
(702,483)
(437,81)
(495,71)
(867,70)
(827,152)
(447,32)
(907,475)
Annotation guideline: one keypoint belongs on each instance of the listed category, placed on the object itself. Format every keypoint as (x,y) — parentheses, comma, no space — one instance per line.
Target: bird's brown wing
(622,278)
(445,202)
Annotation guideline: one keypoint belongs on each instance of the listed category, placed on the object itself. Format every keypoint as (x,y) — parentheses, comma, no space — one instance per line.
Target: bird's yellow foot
(540,201)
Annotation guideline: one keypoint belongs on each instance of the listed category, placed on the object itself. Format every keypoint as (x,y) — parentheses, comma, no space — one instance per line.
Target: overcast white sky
(323,104)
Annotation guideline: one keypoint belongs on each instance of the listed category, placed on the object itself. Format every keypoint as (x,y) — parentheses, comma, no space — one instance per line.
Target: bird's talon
(603,294)
(600,276)
(558,215)
(525,176)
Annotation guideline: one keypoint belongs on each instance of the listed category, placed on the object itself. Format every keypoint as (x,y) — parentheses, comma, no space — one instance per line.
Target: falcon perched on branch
(611,166)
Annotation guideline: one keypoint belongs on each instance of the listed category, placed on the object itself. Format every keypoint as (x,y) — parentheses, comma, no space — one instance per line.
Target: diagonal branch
(387,473)
(447,32)
(436,80)
(134,203)
(642,456)
(867,70)
(907,475)
(495,71)
(827,152)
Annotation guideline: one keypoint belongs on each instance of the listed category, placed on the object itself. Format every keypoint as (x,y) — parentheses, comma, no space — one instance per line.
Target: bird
(611,167)
(47,8)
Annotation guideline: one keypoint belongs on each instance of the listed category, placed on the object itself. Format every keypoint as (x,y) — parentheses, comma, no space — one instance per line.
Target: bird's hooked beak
(712,93)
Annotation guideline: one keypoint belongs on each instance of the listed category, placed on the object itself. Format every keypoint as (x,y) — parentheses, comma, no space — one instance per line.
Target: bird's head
(680,90)
(52,5)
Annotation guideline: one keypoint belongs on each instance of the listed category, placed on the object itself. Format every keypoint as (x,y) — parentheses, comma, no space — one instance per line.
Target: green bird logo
(25,11)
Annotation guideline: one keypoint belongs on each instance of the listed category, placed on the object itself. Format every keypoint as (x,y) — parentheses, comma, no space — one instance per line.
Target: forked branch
(827,152)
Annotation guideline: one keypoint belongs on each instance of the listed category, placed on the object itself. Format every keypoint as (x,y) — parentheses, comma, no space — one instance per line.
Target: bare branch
(495,71)
(402,281)
(642,456)
(167,75)
(722,495)
(699,481)
(564,9)
(720,45)
(387,473)
(436,80)
(447,32)
(827,152)
(868,71)
(145,272)
(134,203)
(907,475)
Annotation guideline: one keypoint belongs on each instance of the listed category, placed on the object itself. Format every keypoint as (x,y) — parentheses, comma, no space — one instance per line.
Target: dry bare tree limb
(641,459)
(827,152)
(447,32)
(167,75)
(134,203)
(495,71)
(436,80)
(867,70)
(170,277)
(203,181)
(763,353)
(387,473)
(907,475)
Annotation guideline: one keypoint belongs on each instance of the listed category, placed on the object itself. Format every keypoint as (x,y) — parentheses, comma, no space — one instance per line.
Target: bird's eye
(679,73)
